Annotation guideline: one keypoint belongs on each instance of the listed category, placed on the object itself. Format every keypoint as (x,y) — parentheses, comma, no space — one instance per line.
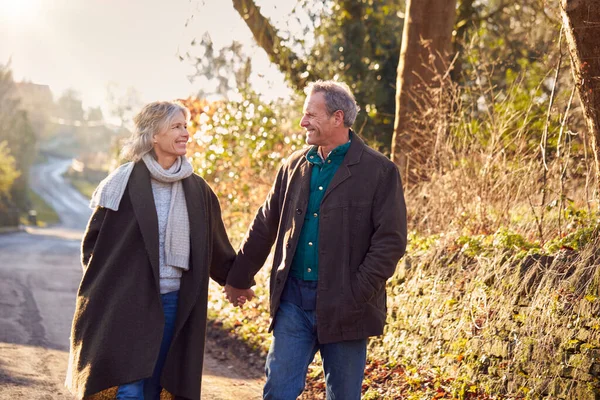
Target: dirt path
(39,276)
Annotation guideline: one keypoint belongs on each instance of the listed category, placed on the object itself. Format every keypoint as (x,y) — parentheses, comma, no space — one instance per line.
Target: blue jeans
(149,388)
(293,349)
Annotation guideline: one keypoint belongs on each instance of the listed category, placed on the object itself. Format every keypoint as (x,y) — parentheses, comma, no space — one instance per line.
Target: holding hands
(238,297)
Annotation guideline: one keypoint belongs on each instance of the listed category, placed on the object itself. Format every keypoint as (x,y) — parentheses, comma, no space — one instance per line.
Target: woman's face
(172,140)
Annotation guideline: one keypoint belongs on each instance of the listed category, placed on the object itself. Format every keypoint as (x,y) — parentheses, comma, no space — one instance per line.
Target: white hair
(337,97)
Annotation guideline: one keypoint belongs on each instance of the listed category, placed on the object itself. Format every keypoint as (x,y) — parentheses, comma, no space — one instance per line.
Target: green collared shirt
(305,264)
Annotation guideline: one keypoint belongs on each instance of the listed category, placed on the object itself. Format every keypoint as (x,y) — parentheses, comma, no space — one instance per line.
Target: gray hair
(150,121)
(337,97)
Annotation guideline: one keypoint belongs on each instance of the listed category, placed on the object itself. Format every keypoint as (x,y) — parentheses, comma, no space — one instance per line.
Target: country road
(39,276)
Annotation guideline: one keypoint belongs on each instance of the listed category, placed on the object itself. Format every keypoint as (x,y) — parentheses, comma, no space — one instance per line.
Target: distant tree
(94,114)
(8,171)
(581,22)
(38,101)
(123,103)
(426,45)
(16,131)
(70,107)
(224,70)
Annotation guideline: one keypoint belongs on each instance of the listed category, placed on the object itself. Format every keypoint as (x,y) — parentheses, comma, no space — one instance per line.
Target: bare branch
(267,37)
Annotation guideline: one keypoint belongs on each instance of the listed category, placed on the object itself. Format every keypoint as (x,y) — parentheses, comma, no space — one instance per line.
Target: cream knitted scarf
(109,192)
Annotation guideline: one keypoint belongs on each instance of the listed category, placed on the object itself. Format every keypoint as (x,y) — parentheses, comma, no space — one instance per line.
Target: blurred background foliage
(237,146)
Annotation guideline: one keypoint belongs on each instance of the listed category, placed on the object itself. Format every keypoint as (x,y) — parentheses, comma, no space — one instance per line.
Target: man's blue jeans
(293,349)
(149,389)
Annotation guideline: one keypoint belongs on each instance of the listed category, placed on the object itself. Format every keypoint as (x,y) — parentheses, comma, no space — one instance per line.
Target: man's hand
(236,296)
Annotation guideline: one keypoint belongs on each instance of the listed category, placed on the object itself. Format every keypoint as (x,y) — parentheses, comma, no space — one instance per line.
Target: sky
(87,44)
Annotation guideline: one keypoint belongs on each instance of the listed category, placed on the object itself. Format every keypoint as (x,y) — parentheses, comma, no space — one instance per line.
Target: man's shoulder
(372,155)
(297,156)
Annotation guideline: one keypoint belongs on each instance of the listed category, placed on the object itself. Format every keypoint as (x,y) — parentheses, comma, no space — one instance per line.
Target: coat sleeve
(388,241)
(222,252)
(260,237)
(91,234)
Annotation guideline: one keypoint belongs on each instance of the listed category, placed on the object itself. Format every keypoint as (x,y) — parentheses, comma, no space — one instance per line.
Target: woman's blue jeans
(149,388)
(293,349)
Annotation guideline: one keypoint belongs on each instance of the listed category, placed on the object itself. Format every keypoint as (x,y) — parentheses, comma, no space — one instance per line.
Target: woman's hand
(238,297)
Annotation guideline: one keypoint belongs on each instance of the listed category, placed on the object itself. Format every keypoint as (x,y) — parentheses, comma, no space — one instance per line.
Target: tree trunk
(426,44)
(581,24)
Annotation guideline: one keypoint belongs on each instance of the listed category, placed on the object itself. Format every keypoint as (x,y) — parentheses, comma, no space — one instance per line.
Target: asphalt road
(39,277)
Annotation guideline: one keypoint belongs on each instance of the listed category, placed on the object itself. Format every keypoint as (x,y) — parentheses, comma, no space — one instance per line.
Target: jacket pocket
(356,292)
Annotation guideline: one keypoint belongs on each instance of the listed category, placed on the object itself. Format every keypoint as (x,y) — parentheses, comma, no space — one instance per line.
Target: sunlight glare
(17,12)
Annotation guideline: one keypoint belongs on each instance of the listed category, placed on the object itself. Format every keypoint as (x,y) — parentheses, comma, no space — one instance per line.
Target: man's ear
(339,117)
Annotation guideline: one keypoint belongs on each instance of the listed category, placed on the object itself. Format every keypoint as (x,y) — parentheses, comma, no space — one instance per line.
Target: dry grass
(513,155)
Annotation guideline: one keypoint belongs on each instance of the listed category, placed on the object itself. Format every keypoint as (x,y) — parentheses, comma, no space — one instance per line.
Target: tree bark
(581,24)
(266,36)
(426,44)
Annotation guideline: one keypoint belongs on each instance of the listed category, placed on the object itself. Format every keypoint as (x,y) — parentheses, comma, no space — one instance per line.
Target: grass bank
(45,213)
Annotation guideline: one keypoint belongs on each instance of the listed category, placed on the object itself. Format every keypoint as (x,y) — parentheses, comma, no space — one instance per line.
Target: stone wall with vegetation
(497,316)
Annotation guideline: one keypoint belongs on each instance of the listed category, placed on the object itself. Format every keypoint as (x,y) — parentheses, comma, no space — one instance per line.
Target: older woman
(155,237)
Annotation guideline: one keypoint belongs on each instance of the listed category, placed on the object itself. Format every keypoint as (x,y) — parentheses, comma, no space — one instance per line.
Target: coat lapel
(300,181)
(298,189)
(352,158)
(142,200)
(197,276)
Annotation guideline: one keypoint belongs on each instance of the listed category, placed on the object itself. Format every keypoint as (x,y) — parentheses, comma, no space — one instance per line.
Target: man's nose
(303,122)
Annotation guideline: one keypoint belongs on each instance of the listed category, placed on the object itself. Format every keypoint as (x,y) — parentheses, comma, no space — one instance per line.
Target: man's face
(316,121)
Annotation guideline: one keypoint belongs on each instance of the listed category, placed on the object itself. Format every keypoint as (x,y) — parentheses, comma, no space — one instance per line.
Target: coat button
(288,245)
(298,211)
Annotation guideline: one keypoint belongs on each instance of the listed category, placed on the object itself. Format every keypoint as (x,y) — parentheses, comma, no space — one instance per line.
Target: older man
(337,216)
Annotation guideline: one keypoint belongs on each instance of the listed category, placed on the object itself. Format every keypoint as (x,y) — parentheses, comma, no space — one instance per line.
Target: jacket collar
(357,146)
(355,151)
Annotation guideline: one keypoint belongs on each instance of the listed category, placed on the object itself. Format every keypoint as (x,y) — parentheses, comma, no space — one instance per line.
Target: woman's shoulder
(200,180)
(201,183)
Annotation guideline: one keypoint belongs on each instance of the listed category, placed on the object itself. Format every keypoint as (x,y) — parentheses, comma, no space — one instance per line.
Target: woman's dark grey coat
(118,323)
